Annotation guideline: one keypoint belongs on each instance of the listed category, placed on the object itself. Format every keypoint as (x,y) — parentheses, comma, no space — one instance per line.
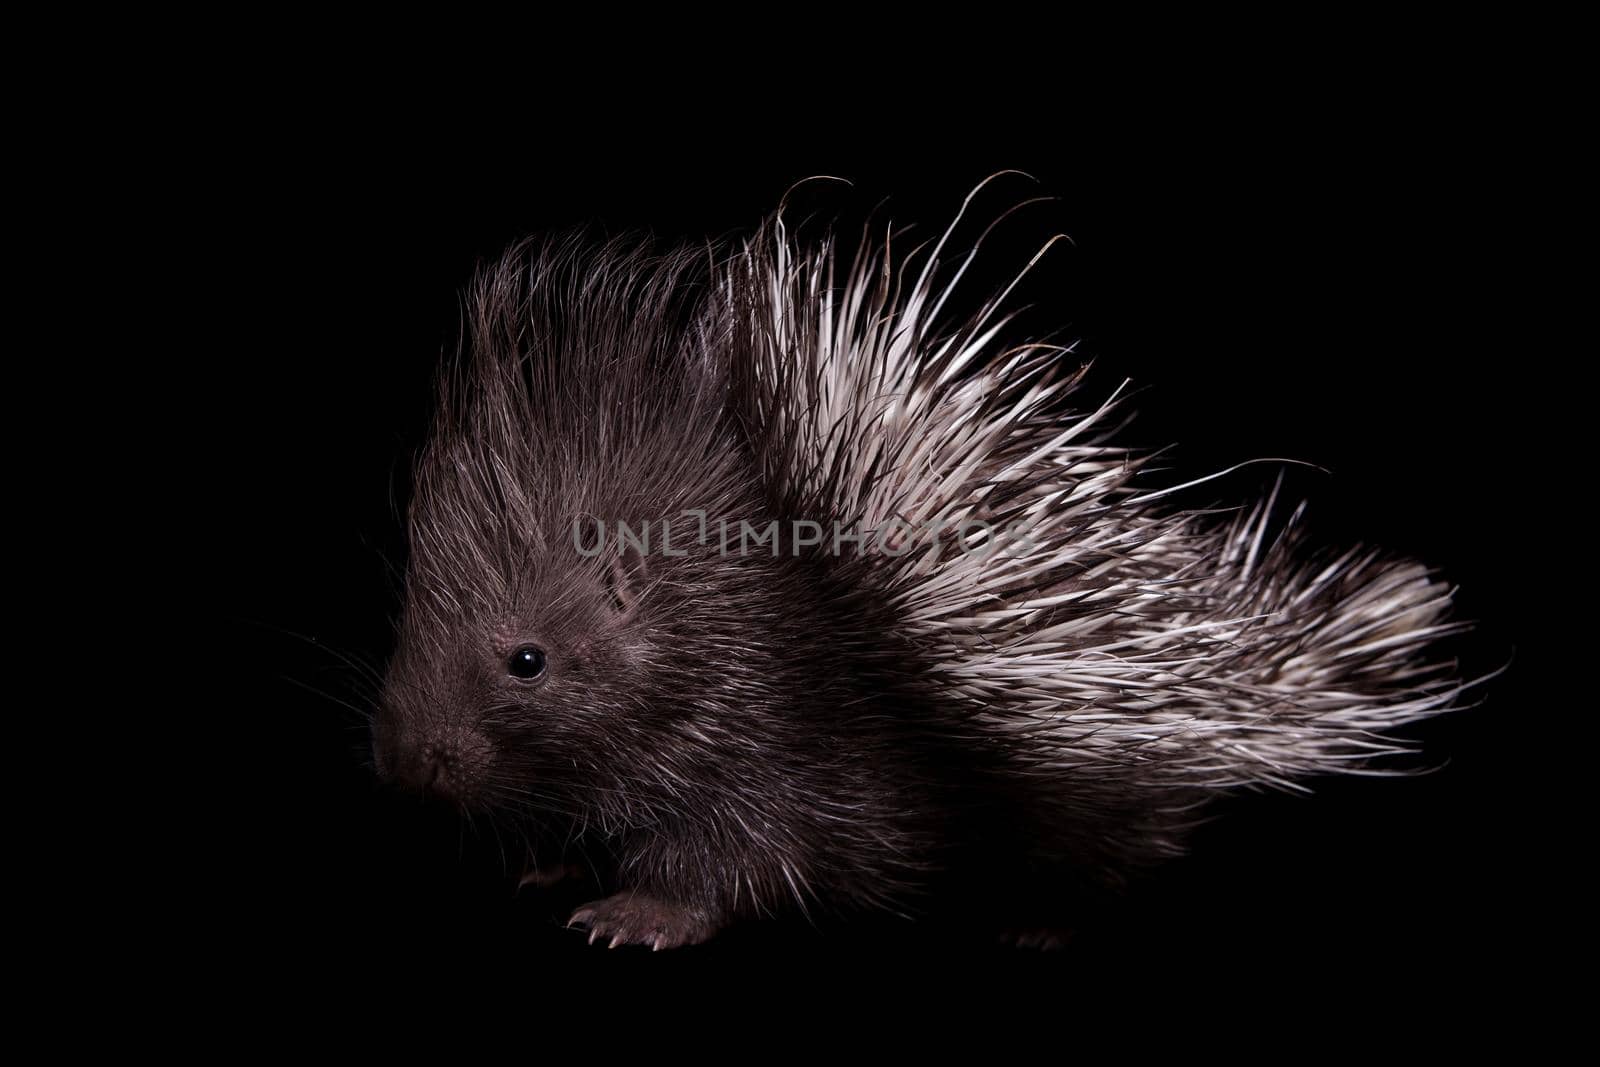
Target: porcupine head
(744,725)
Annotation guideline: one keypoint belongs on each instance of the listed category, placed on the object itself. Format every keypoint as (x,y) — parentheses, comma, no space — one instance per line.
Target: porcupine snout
(441,760)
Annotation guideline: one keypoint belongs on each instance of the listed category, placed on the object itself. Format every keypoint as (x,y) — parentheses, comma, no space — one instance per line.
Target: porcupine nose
(433,768)
(446,764)
(436,771)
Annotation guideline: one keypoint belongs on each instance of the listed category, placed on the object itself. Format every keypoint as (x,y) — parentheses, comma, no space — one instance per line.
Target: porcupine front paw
(633,918)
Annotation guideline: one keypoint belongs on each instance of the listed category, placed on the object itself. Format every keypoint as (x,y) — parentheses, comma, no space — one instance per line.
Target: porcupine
(836,716)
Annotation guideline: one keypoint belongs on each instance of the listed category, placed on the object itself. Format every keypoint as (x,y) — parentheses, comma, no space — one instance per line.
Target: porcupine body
(882,605)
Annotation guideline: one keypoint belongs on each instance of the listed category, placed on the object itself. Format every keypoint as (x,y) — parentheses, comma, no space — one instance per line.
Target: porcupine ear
(624,578)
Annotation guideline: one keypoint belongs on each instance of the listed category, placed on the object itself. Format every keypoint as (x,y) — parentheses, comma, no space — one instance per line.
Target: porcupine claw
(632,918)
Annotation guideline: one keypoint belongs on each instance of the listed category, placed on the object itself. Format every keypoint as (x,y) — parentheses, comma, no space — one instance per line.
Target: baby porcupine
(763,581)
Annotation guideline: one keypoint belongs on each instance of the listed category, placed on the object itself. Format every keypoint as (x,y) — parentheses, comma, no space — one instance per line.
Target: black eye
(526,663)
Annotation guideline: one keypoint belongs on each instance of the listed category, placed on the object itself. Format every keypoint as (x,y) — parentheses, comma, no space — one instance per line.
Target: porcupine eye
(527,663)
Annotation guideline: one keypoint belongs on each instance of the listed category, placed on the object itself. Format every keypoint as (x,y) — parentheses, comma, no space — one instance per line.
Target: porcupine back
(1139,659)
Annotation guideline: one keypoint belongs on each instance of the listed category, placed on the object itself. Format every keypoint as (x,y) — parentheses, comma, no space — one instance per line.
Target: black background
(1337,281)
